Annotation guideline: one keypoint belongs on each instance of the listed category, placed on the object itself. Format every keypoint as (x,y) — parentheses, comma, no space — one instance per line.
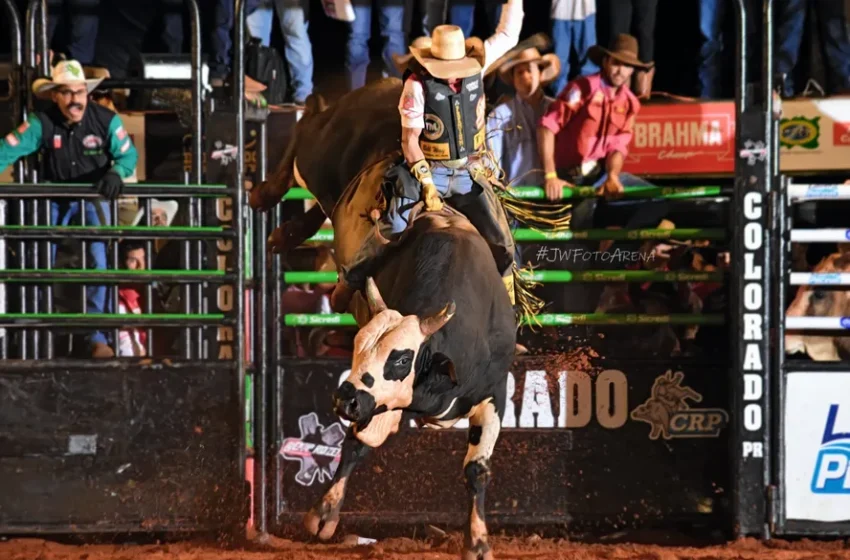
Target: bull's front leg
(323,518)
(296,231)
(484,427)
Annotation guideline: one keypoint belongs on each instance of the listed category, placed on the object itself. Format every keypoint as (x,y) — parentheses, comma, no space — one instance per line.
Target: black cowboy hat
(624,49)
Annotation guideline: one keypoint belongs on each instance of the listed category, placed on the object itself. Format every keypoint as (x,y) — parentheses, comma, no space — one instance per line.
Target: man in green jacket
(80,142)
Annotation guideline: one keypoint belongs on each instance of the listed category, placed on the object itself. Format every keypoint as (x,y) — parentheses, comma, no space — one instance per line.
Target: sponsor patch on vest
(439,96)
(91,142)
(434,127)
(435,150)
(57,142)
(472,86)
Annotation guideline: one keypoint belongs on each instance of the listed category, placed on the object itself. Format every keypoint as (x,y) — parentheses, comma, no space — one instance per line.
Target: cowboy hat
(549,64)
(168,206)
(64,73)
(623,49)
(446,54)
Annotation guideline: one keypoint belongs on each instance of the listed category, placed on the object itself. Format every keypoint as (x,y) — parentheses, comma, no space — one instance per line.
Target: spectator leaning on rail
(80,143)
(585,134)
(512,125)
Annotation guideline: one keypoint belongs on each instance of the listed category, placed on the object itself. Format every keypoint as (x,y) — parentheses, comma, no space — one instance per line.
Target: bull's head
(385,354)
(821,301)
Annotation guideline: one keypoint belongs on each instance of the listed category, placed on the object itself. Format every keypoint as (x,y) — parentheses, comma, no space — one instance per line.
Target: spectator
(80,143)
(832,27)
(711,18)
(573,31)
(298,50)
(460,13)
(80,18)
(392,15)
(131,341)
(637,17)
(585,134)
(512,125)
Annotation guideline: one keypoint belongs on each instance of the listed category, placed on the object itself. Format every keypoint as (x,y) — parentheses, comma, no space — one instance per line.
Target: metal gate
(138,443)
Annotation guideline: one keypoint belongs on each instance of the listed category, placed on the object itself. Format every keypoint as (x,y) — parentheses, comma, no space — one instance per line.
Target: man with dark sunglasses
(80,143)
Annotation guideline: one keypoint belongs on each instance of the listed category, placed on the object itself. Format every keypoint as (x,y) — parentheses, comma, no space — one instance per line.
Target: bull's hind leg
(323,518)
(484,427)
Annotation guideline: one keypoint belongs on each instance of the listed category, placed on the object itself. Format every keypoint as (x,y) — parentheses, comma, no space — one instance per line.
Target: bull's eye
(818,295)
(398,365)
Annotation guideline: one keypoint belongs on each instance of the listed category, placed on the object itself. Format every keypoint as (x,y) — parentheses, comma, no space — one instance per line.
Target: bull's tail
(528,305)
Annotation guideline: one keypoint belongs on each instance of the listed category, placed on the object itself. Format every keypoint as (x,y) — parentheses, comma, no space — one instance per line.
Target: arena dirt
(408,549)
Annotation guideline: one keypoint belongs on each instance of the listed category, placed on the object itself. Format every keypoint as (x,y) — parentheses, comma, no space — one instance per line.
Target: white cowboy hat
(168,206)
(65,72)
(446,54)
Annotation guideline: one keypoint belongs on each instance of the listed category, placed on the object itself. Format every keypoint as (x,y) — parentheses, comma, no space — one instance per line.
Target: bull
(437,344)
(822,301)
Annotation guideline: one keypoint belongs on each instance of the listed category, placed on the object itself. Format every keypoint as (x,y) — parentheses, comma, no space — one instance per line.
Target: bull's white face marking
(388,342)
(816,301)
(380,428)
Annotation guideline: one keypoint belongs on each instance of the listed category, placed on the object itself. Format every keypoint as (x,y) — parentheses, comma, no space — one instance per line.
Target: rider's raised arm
(412,109)
(507,33)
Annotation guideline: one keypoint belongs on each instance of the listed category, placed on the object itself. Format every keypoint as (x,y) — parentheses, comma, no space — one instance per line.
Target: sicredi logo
(832,467)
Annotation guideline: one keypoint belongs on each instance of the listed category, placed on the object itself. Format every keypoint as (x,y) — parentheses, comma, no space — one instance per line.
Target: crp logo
(799,131)
(669,414)
(832,466)
(434,127)
(841,133)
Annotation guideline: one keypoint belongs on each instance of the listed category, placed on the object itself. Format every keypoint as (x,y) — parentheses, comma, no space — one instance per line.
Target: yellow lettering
(224,245)
(225,298)
(224,209)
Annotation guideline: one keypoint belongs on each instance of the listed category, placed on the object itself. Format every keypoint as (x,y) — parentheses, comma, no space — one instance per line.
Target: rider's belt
(453,163)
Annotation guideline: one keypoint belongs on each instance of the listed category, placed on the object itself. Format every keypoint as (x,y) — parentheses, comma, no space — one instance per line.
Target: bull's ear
(442,365)
(373,297)
(432,324)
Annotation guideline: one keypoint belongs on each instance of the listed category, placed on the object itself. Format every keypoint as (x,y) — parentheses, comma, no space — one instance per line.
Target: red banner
(683,138)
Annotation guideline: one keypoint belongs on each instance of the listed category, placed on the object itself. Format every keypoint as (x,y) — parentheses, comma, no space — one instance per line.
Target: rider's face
(616,73)
(526,79)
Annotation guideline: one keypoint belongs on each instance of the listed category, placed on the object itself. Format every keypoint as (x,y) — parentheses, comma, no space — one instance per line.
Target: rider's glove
(422,171)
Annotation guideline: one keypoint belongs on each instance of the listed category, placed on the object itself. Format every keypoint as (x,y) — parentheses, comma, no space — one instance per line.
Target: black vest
(454,122)
(76,153)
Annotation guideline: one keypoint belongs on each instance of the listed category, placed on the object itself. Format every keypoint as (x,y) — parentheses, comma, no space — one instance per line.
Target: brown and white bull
(822,301)
(438,344)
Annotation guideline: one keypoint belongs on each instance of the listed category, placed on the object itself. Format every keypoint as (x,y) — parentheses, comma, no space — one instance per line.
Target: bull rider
(443,110)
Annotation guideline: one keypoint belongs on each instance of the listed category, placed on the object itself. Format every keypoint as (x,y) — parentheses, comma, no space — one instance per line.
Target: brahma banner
(699,138)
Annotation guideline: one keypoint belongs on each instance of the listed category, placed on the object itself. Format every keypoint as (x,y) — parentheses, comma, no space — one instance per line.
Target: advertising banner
(620,442)
(817,446)
(699,138)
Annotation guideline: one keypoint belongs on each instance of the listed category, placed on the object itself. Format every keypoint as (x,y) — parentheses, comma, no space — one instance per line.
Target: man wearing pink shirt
(584,137)
(443,119)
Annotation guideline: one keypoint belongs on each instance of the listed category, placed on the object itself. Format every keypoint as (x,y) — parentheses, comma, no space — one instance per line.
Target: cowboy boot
(643,83)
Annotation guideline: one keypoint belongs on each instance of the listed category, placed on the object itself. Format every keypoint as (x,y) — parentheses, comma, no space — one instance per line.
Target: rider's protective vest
(454,122)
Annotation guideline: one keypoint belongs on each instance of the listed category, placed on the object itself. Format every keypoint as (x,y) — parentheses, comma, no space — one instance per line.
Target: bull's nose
(353,405)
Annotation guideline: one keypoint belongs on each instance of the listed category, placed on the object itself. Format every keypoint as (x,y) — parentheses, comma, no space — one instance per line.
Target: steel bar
(546,319)
(537,193)
(825,235)
(680,234)
(115,232)
(801,193)
(820,279)
(550,276)
(106,320)
(74,275)
(76,190)
(817,323)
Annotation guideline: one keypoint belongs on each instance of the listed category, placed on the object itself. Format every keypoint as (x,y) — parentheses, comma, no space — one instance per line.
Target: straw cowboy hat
(549,64)
(624,49)
(66,72)
(446,54)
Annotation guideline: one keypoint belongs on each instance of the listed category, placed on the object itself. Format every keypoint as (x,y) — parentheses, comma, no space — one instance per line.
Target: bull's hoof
(478,555)
(321,524)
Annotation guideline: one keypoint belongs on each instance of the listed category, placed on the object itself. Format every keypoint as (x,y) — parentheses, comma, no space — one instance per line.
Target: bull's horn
(432,324)
(373,297)
(381,239)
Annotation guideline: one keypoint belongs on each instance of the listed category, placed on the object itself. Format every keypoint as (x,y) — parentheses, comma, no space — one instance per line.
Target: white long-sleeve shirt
(411,106)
